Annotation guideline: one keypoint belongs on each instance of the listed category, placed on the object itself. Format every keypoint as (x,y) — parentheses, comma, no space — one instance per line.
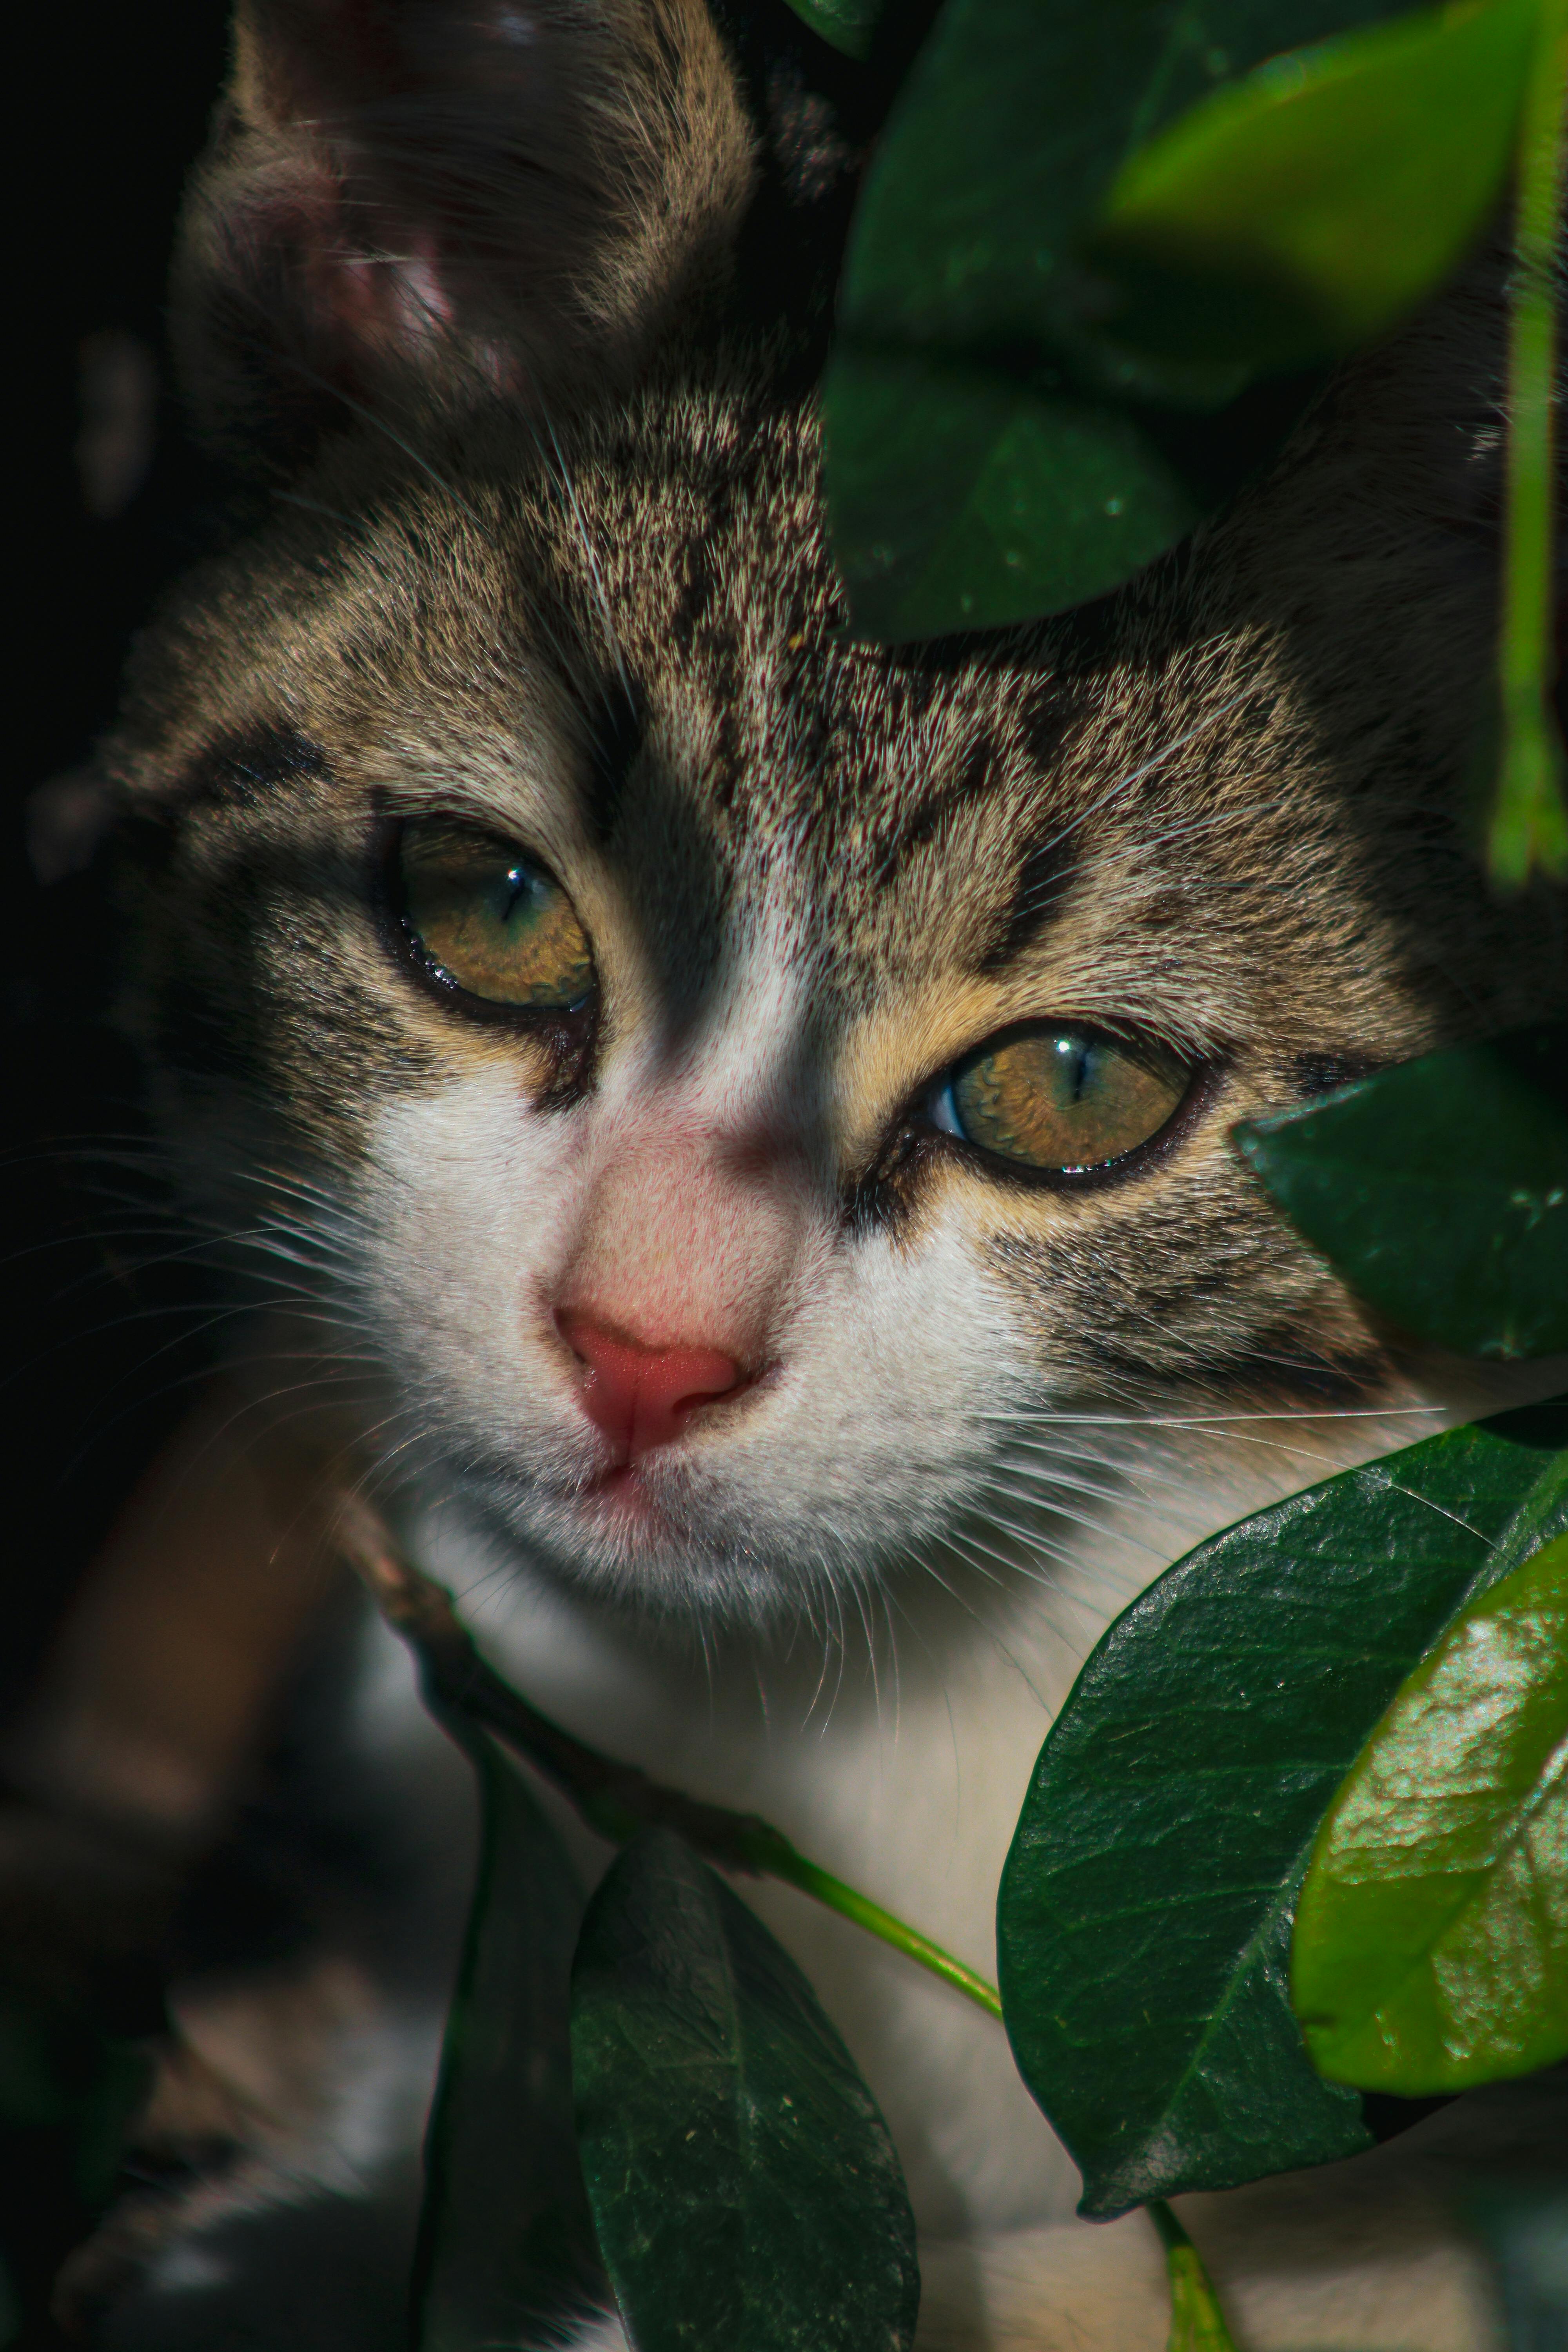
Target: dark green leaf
(1440,1190)
(1007,137)
(744,2187)
(961,500)
(506,2240)
(1304,209)
(970,258)
(846,25)
(1144,1918)
(1431,1944)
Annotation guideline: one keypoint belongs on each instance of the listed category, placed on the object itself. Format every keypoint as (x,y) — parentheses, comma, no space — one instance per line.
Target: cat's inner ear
(404,197)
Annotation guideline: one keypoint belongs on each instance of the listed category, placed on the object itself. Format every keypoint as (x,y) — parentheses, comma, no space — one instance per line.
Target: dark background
(109,108)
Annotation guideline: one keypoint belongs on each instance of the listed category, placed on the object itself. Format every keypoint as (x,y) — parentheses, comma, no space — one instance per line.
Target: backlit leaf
(1431,1944)
(1440,1189)
(744,2187)
(506,2240)
(1145,1911)
(1306,208)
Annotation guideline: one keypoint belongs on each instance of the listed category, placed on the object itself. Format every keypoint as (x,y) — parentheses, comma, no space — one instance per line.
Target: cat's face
(733,1085)
(729,1091)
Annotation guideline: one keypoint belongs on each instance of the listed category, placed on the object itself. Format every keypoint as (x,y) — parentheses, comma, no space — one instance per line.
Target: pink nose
(643,1397)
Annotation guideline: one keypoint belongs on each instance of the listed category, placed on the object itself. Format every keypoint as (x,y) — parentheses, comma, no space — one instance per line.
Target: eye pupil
(1076,1063)
(1063,1099)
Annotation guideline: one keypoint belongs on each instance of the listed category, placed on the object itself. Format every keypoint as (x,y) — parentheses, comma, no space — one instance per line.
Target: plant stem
(1528,824)
(811,1880)
(614,1798)
(1197,2323)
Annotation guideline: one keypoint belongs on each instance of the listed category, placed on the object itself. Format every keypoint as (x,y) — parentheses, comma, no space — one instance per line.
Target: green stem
(853,1904)
(1197,2323)
(1528,824)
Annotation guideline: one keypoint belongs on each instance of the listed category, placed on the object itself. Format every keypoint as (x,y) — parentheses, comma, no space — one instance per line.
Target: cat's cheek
(461,1190)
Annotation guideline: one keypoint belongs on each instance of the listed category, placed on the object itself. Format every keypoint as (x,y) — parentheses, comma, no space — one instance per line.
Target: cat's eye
(490,919)
(1061,1098)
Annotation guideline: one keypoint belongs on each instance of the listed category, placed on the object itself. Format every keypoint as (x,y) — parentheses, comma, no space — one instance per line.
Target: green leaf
(506,2240)
(961,499)
(846,25)
(1431,1944)
(744,2187)
(1144,1918)
(1440,1189)
(1306,208)
(1004,143)
(968,256)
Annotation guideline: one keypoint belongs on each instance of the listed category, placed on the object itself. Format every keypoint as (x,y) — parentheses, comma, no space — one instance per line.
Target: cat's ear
(1386,500)
(403,197)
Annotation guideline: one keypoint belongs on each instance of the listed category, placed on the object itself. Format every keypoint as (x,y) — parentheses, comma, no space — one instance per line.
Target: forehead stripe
(238,768)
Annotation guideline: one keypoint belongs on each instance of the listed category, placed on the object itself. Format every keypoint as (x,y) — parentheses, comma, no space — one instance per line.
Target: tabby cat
(732,1121)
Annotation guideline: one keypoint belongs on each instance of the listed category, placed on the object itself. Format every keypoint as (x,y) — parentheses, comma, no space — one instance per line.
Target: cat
(731,1120)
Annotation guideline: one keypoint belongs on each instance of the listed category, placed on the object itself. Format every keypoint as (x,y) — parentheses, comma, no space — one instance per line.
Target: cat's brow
(232,771)
(929,813)
(1041,870)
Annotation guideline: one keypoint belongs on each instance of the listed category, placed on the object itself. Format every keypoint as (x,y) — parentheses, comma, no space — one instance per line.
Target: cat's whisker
(1290,1414)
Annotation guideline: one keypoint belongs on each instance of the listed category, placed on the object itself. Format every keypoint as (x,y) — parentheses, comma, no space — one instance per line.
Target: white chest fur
(898,1757)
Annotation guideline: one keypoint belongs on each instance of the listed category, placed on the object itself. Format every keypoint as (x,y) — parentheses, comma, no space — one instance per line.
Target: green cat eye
(1065,1100)
(490,919)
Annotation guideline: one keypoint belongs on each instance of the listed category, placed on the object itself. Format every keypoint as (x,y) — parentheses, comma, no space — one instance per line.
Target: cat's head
(726,1092)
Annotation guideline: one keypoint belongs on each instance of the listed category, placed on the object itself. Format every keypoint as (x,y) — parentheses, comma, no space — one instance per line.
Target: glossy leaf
(1440,1190)
(1145,1911)
(968,256)
(506,2240)
(744,2187)
(1431,1944)
(1304,209)
(961,500)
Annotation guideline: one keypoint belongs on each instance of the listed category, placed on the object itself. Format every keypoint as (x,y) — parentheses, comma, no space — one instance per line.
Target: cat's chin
(670,1547)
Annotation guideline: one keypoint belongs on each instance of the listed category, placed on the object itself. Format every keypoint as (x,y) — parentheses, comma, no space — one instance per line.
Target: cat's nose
(644,1396)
